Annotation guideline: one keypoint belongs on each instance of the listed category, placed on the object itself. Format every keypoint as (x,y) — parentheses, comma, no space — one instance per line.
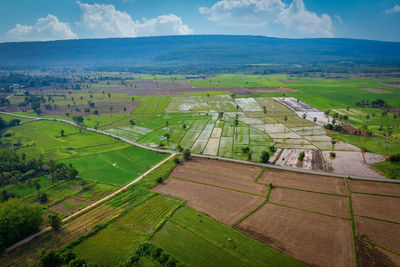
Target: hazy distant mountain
(196,50)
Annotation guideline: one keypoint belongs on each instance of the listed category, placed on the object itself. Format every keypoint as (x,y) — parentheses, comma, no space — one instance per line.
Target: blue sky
(28,20)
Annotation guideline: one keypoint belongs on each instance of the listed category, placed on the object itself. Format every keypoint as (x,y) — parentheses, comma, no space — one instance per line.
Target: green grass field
(375,144)
(109,247)
(23,190)
(44,138)
(129,163)
(146,217)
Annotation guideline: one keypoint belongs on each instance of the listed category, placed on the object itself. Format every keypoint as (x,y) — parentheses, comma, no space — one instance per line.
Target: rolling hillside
(204,50)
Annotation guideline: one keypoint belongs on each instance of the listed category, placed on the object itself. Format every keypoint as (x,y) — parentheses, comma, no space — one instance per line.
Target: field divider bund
(311,211)
(259,175)
(305,190)
(248,214)
(372,194)
(91,206)
(353,227)
(169,215)
(218,186)
(376,219)
(378,245)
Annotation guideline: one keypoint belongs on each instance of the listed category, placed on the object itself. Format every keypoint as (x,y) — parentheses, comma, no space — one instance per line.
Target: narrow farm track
(173,153)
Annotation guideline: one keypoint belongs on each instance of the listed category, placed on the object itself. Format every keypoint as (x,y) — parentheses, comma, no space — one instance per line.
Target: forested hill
(196,50)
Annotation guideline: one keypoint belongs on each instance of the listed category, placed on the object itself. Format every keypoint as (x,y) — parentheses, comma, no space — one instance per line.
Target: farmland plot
(312,160)
(302,235)
(190,138)
(248,104)
(212,146)
(347,162)
(226,147)
(145,217)
(226,206)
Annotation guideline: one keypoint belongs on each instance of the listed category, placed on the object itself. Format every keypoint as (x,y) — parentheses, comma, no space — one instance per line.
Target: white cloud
(395,9)
(258,13)
(105,21)
(45,29)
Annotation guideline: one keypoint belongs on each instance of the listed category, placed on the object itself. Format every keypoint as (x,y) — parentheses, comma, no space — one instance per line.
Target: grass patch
(116,167)
(390,169)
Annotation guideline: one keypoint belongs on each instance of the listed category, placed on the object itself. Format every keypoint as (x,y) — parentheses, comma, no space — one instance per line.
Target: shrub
(264,157)
(395,158)
(43,198)
(177,160)
(55,221)
(301,156)
(333,154)
(186,154)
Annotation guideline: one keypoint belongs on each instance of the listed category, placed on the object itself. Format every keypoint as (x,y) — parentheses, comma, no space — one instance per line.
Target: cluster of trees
(159,256)
(15,168)
(4,124)
(59,258)
(378,103)
(17,220)
(4,101)
(6,81)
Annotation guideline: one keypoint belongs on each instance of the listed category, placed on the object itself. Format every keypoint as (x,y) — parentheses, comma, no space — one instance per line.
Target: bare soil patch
(349,162)
(376,91)
(227,180)
(371,158)
(394,84)
(386,208)
(239,171)
(390,189)
(73,201)
(223,205)
(304,181)
(383,233)
(328,204)
(312,160)
(306,236)
(371,256)
(352,130)
(266,90)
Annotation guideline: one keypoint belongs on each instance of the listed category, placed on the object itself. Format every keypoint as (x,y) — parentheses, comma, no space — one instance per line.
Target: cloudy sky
(41,20)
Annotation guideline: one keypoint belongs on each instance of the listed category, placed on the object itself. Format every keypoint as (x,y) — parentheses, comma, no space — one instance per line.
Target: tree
(264,157)
(36,185)
(301,156)
(312,129)
(186,154)
(62,132)
(18,220)
(132,122)
(124,109)
(43,198)
(333,141)
(78,120)
(96,112)
(55,221)
(264,110)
